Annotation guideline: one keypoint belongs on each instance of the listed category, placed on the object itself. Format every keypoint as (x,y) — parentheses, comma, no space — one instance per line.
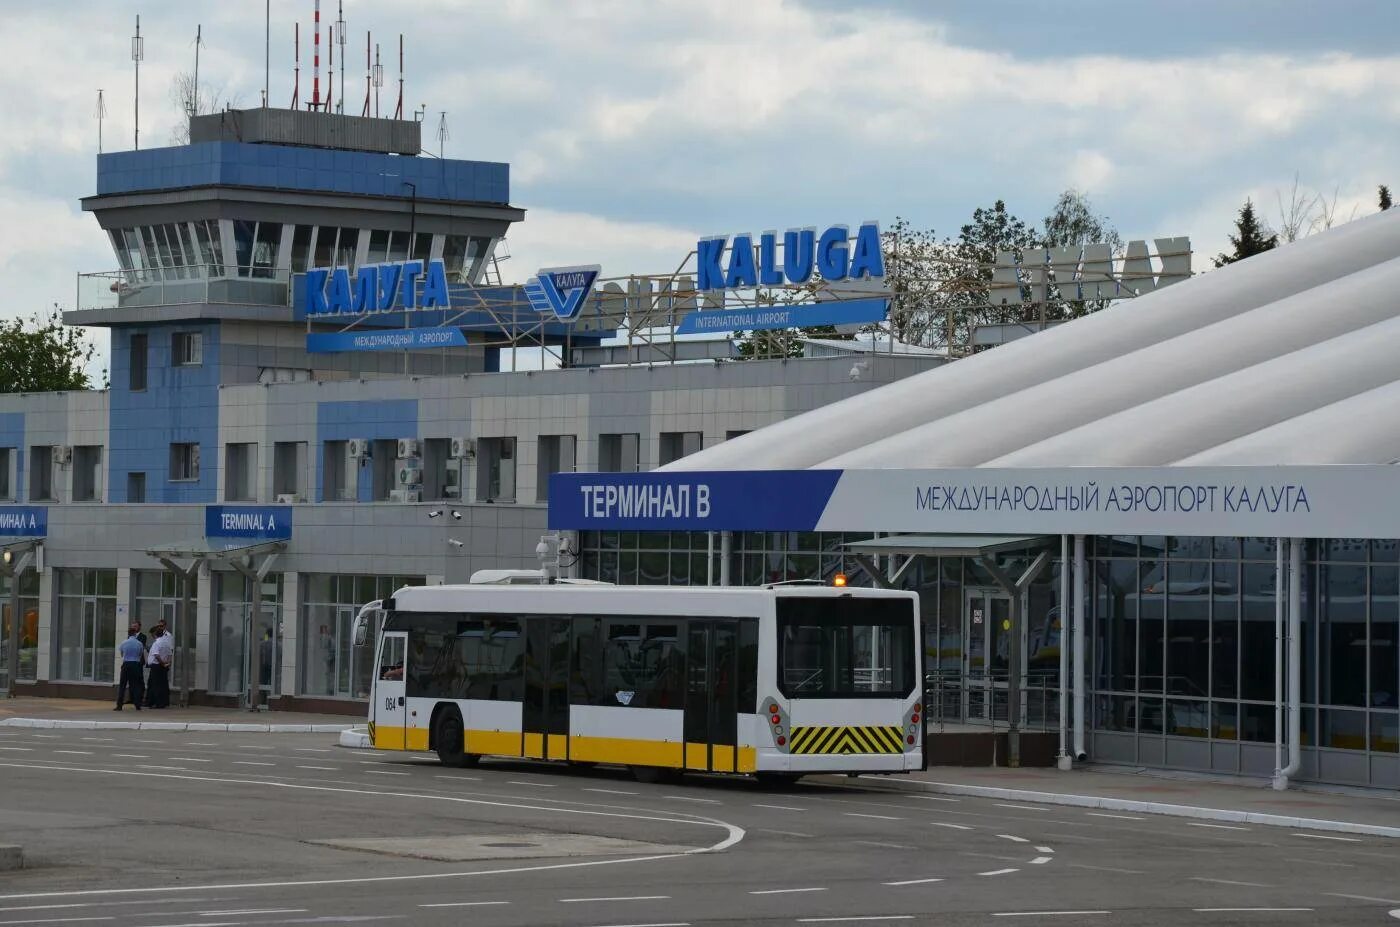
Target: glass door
(545,713)
(89,632)
(987,656)
(711,723)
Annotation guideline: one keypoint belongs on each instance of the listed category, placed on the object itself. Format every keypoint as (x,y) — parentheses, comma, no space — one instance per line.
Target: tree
(1072,223)
(41,354)
(207,99)
(1252,236)
(1385,197)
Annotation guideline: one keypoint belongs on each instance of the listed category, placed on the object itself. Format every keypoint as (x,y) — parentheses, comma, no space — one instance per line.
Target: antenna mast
(378,79)
(340,36)
(398,110)
(330,75)
(296,69)
(368,71)
(316,60)
(442,133)
(100,114)
(138,52)
(194,98)
(267,49)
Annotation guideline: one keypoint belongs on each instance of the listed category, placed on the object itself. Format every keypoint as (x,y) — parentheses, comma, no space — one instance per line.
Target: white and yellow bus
(775,681)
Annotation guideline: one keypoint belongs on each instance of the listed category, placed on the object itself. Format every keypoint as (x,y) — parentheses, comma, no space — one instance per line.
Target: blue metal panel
(374,420)
(286,168)
(12,436)
(179,405)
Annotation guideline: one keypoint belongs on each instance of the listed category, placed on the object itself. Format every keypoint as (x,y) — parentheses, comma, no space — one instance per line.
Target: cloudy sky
(632,126)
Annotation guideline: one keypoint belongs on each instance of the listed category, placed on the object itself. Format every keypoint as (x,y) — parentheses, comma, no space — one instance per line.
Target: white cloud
(554,239)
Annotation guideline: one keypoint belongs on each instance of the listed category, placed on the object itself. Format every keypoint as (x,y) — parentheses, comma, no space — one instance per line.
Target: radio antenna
(101,114)
(368,71)
(340,35)
(398,110)
(138,51)
(316,59)
(378,79)
(194,97)
(442,133)
(296,68)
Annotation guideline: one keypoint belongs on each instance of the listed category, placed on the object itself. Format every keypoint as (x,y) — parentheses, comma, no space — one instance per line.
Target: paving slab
(91,714)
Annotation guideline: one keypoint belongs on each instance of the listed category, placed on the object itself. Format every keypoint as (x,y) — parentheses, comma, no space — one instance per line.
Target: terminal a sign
(248,522)
(390,287)
(24,521)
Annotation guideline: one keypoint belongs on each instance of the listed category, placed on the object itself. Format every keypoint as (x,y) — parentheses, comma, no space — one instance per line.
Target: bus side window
(391,659)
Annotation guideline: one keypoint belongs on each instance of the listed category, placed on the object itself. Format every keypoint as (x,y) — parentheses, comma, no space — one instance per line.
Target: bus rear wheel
(449,737)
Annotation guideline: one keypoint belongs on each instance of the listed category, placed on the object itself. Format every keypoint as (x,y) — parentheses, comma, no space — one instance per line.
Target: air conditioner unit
(288,498)
(410,476)
(62,453)
(408,447)
(405,495)
(462,447)
(358,448)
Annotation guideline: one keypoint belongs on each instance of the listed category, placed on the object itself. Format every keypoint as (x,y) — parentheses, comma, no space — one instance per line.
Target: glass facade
(330,665)
(1179,639)
(86,639)
(237,622)
(28,626)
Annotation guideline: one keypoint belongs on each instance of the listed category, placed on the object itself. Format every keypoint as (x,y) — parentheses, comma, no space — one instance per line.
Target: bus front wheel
(449,737)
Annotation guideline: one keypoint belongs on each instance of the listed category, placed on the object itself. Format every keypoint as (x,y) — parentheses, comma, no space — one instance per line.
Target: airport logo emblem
(561,290)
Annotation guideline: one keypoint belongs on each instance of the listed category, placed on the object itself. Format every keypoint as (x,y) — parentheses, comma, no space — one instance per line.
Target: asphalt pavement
(157,829)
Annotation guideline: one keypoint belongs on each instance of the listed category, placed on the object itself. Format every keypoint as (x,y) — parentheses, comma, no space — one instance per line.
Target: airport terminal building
(271,455)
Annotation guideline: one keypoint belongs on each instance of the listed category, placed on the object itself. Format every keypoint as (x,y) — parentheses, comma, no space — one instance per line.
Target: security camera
(435,513)
(454,542)
(1081,756)
(542,550)
(456,515)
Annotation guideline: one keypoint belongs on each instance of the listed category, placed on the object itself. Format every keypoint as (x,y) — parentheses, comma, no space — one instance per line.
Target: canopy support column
(1016,590)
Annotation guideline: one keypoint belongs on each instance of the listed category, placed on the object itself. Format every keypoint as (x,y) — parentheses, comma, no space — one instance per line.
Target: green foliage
(1385,197)
(41,354)
(1252,236)
(1072,222)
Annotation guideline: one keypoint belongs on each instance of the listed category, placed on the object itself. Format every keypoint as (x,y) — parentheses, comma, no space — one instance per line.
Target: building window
(555,454)
(28,622)
(330,664)
(184,462)
(240,472)
(442,473)
(186,349)
(155,597)
(340,473)
(619,453)
(289,470)
(87,625)
(678,444)
(301,247)
(138,362)
(7,474)
(495,470)
(384,468)
(735,433)
(41,473)
(87,473)
(136,487)
(235,617)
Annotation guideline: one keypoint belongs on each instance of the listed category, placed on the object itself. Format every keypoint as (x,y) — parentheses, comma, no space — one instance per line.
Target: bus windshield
(845,647)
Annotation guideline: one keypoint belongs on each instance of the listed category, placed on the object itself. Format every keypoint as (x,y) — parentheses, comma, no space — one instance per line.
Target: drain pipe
(1295,659)
(1062,759)
(1280,782)
(726,549)
(1080,576)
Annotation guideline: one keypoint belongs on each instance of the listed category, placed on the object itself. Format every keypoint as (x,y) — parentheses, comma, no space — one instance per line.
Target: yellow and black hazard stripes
(847,739)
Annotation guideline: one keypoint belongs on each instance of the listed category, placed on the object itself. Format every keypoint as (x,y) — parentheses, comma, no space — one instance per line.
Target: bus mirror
(361,631)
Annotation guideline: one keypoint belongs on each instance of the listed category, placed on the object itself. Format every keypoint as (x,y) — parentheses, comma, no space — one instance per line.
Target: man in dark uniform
(131,682)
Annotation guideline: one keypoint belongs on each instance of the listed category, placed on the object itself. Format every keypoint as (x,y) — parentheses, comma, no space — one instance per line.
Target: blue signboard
(695,501)
(24,521)
(248,522)
(389,339)
(561,290)
(832,254)
(376,288)
(804,315)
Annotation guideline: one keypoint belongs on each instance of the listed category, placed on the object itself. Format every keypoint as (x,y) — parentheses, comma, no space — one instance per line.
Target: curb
(1141,807)
(181,726)
(356,738)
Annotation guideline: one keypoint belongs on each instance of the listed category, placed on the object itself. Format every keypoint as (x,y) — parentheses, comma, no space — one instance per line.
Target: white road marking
(953,826)
(1041,860)
(141,741)
(1229,882)
(321,768)
(878,817)
(666,924)
(1107,869)
(785,833)
(108,904)
(617,898)
(1044,913)
(1217,826)
(60,920)
(76,752)
(1013,838)
(1120,817)
(864,917)
(610,791)
(133,756)
(19,749)
(1044,850)
(997,872)
(539,785)
(779,807)
(703,801)
(1326,837)
(312,749)
(188,759)
(462,778)
(912,882)
(1319,862)
(1021,807)
(200,744)
(888,846)
(167,768)
(103,740)
(1233,910)
(257,747)
(253,911)
(47,736)
(1364,898)
(383,772)
(462,904)
(934,798)
(785,891)
(734,835)
(251,763)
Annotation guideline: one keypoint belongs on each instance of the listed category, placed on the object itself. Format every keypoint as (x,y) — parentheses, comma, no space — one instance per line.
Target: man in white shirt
(159,658)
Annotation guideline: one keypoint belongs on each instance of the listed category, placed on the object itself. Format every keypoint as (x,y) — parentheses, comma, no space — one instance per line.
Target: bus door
(712,695)
(545,718)
(389,714)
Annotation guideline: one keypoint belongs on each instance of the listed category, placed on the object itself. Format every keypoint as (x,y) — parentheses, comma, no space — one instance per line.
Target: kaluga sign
(833,254)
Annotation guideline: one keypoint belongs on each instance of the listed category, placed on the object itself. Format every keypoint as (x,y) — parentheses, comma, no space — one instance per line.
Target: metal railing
(187,285)
(981,699)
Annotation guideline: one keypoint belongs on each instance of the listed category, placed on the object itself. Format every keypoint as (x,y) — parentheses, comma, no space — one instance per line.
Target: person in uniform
(159,659)
(130,682)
